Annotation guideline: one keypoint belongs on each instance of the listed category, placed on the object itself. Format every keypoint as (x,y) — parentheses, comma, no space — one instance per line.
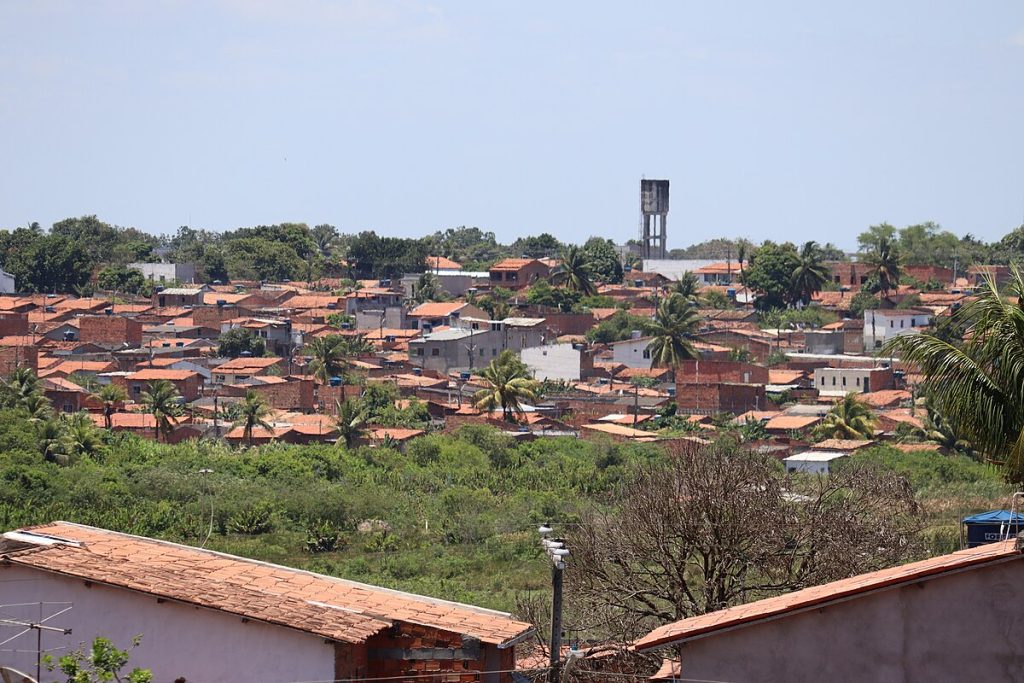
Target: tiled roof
(442,263)
(820,595)
(333,608)
(842,444)
(241,363)
(620,430)
(437,309)
(150,374)
(886,397)
(792,422)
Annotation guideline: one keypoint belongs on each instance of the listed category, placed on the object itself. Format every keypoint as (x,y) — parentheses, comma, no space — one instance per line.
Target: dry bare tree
(718,526)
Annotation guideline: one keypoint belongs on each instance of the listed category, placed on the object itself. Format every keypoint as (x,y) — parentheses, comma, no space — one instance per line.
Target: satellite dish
(8,675)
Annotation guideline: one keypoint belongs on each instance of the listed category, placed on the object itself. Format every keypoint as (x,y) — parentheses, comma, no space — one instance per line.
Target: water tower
(653,218)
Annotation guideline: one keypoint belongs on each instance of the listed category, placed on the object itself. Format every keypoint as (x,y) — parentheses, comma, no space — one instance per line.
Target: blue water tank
(334,381)
(464,376)
(989,527)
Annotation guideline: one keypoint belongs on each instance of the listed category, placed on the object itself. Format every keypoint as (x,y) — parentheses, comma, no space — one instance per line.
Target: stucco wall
(963,627)
(202,645)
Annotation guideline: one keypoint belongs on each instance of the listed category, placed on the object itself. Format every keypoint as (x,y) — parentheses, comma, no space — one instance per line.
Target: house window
(481,353)
(136,389)
(647,353)
(494,352)
(902,322)
(833,380)
(858,381)
(892,323)
(419,352)
(844,381)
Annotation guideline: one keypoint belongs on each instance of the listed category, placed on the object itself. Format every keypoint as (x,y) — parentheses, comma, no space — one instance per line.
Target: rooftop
(330,607)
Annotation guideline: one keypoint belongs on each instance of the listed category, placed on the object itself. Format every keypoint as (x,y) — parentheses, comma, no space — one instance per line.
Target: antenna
(27,625)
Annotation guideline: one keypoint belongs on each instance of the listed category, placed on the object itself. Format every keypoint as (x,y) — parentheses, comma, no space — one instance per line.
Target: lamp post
(556,552)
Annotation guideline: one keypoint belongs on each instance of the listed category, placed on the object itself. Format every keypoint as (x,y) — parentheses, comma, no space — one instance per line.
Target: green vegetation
(509,385)
(850,418)
(234,343)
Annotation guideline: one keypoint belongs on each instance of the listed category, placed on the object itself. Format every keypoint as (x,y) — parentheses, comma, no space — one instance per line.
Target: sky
(783,120)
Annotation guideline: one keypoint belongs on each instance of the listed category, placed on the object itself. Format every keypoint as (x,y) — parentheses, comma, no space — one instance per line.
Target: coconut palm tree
(428,288)
(977,382)
(810,274)
(111,396)
(673,328)
(941,431)
(885,265)
(163,402)
(687,286)
(574,272)
(328,356)
(37,406)
(850,418)
(22,384)
(81,435)
(509,385)
(51,441)
(349,421)
(251,413)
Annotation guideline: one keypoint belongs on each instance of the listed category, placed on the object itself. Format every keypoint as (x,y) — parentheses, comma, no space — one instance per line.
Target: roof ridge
(262,563)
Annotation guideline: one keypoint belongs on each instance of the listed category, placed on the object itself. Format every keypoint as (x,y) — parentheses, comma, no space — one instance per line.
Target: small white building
(556,362)
(167,272)
(881,325)
(6,283)
(633,352)
(813,462)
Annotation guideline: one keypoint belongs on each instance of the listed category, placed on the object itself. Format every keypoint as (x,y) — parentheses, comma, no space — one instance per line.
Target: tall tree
(769,274)
(509,385)
(328,357)
(809,275)
(849,418)
(687,286)
(977,382)
(574,272)
(163,402)
(349,420)
(672,331)
(252,413)
(111,396)
(604,261)
(884,260)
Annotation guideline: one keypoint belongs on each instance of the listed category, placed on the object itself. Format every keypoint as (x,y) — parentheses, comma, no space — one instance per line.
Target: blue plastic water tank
(988,527)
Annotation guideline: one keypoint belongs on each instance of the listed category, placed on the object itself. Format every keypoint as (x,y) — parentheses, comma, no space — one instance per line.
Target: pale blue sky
(782,120)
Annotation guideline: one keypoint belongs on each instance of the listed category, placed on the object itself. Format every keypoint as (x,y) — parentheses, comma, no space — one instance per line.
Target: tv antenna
(38,625)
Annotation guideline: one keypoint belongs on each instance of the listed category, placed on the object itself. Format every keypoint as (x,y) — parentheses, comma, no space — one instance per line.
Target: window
(892,323)
(647,353)
(481,353)
(902,322)
(435,352)
(858,381)
(494,352)
(833,380)
(844,381)
(419,352)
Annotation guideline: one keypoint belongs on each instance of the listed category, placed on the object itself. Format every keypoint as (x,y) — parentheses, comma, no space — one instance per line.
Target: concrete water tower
(653,219)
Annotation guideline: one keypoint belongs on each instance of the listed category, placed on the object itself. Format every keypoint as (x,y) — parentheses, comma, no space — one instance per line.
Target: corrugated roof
(326,606)
(782,605)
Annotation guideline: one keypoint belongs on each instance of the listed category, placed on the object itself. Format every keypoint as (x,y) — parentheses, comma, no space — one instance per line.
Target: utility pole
(557,552)
(636,403)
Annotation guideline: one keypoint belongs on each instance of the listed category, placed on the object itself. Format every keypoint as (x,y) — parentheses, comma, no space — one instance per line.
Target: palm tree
(941,431)
(850,418)
(51,441)
(81,435)
(22,384)
(37,406)
(251,414)
(328,356)
(162,401)
(672,329)
(687,286)
(508,385)
(977,382)
(810,274)
(111,396)
(349,420)
(574,272)
(885,265)
(428,288)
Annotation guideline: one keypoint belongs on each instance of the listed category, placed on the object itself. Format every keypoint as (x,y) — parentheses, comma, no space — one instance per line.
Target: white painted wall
(554,362)
(204,646)
(6,283)
(882,325)
(631,352)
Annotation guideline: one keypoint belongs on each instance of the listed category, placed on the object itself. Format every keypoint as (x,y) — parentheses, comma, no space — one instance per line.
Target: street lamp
(556,552)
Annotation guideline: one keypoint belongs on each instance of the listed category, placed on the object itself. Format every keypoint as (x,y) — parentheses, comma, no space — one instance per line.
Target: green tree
(509,385)
(574,272)
(604,260)
(163,402)
(809,275)
(104,663)
(672,331)
(884,260)
(869,240)
(977,382)
(52,441)
(327,355)
(349,420)
(111,396)
(82,437)
(862,301)
(239,340)
(769,274)
(252,413)
(687,286)
(428,288)
(121,279)
(543,245)
(849,418)
(48,263)
(541,293)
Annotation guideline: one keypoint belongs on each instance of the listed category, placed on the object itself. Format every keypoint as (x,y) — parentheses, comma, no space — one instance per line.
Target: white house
(6,283)
(167,272)
(813,462)
(557,362)
(632,352)
(211,617)
(881,325)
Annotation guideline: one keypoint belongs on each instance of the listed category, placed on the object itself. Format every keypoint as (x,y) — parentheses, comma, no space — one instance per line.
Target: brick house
(110,329)
(178,296)
(189,384)
(242,368)
(518,273)
(210,616)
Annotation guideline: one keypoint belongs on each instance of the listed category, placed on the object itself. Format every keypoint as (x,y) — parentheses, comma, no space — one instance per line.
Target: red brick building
(189,384)
(110,329)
